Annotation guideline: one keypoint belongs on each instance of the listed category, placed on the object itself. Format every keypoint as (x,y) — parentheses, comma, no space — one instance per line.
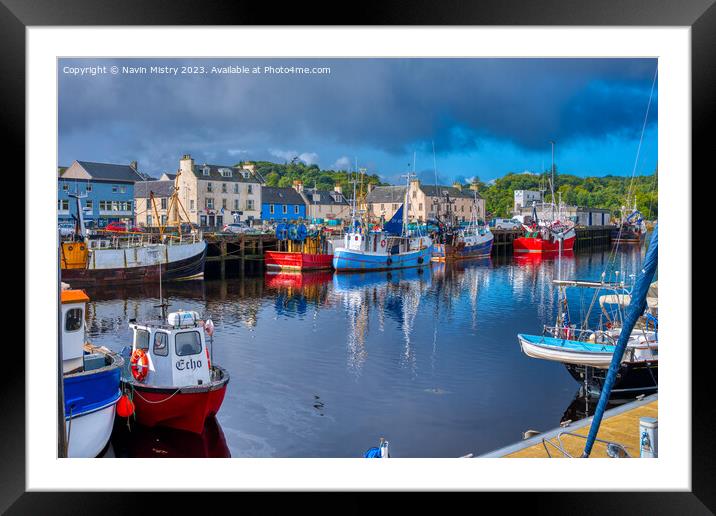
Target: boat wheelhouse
(630,229)
(171,378)
(90,380)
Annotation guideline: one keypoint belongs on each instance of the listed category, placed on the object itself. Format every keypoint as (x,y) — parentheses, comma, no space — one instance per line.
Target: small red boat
(545,239)
(298,250)
(171,379)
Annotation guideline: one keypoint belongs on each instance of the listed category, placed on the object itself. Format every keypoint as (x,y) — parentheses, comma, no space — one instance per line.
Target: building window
(65,187)
(89,204)
(205,171)
(236,187)
(64,204)
(164,220)
(122,189)
(285,209)
(223,203)
(191,204)
(395,206)
(149,220)
(89,188)
(420,207)
(115,188)
(164,203)
(382,206)
(295,209)
(249,204)
(271,209)
(225,172)
(223,187)
(209,203)
(249,189)
(209,188)
(415,194)
(236,204)
(219,220)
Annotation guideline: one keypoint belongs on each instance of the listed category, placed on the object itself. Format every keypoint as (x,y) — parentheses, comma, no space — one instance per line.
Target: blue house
(281,204)
(109,191)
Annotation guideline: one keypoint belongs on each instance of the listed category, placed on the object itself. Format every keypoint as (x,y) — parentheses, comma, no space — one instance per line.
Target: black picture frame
(699,15)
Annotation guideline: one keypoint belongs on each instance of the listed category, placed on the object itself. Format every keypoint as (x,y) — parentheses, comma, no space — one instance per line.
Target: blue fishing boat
(373,250)
(91,381)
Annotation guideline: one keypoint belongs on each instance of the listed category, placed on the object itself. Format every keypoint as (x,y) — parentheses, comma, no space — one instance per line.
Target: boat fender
(420,259)
(382,243)
(139,364)
(389,261)
(125,406)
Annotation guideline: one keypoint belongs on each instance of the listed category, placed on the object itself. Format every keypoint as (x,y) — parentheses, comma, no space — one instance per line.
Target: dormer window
(245,174)
(225,172)
(205,170)
(316,197)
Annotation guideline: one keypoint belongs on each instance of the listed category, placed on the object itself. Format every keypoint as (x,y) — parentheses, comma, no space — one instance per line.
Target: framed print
(259,254)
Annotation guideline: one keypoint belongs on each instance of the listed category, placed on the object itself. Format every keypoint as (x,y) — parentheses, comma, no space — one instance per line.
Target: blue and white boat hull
(90,403)
(349,260)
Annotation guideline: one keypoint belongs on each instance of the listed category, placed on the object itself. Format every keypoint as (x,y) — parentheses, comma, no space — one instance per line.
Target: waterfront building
(214,195)
(525,198)
(580,215)
(109,190)
(426,201)
(147,214)
(324,204)
(282,204)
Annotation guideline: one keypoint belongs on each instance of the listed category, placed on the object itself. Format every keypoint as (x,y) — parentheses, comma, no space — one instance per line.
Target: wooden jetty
(240,250)
(620,425)
(588,238)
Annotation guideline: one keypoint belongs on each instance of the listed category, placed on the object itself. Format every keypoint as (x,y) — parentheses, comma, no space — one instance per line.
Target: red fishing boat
(298,250)
(171,379)
(545,239)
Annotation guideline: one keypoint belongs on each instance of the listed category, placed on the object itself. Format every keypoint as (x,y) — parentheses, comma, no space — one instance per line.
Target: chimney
(133,164)
(186,164)
(338,188)
(298,185)
(474,186)
(371,186)
(457,185)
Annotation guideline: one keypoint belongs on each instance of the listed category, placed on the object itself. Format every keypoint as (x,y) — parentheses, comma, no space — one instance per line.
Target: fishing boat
(90,380)
(299,250)
(456,243)
(631,228)
(366,249)
(130,256)
(547,236)
(171,379)
(587,354)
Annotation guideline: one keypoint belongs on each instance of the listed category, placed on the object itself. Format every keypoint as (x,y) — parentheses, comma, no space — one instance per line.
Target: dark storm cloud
(388,104)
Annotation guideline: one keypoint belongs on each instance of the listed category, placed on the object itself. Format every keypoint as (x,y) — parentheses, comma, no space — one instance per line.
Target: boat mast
(551,185)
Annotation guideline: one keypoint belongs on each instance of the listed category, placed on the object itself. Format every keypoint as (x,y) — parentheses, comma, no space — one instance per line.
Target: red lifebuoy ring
(139,364)
(382,243)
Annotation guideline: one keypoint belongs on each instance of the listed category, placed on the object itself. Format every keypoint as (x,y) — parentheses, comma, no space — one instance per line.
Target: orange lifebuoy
(139,364)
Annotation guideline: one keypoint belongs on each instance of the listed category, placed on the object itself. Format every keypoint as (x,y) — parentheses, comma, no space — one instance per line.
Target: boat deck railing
(122,240)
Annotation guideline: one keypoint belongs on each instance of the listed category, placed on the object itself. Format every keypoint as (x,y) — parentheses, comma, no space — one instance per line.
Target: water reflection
(139,441)
(312,355)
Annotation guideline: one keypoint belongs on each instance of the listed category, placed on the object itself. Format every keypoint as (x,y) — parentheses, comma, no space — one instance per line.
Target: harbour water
(324,364)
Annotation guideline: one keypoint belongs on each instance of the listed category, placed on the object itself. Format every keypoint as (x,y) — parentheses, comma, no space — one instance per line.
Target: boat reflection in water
(146,442)
(296,290)
(395,294)
(583,406)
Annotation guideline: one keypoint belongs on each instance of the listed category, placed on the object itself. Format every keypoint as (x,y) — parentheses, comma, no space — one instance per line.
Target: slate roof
(439,191)
(237,174)
(277,195)
(386,194)
(160,188)
(111,172)
(325,197)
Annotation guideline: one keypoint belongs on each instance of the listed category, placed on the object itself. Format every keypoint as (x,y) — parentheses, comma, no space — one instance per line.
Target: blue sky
(484,117)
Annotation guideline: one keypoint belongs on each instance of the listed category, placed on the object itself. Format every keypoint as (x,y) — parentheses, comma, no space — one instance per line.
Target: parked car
(66,229)
(123,227)
(505,224)
(236,227)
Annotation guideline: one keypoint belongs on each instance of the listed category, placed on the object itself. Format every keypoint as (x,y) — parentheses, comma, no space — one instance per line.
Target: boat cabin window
(188,343)
(161,344)
(73,319)
(141,339)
